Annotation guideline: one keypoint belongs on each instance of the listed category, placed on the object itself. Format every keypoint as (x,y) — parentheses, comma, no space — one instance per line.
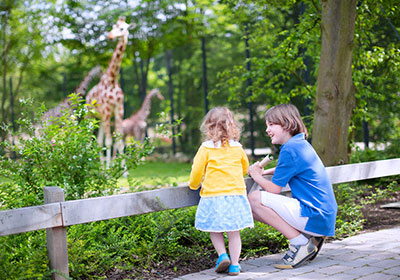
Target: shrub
(61,152)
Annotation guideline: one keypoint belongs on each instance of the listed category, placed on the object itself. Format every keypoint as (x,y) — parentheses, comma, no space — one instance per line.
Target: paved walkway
(373,255)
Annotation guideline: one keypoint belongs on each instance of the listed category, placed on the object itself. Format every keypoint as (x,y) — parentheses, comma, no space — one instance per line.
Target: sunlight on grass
(151,175)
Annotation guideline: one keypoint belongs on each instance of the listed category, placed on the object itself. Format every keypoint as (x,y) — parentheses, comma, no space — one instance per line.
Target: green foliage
(57,152)
(261,240)
(284,45)
(156,174)
(379,151)
(61,152)
(139,242)
(349,217)
(24,256)
(355,198)
(167,239)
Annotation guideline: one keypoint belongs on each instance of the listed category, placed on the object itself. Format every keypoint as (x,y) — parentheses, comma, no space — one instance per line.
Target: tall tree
(335,96)
(22,44)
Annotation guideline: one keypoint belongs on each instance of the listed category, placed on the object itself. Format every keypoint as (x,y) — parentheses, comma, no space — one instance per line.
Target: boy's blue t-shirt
(300,167)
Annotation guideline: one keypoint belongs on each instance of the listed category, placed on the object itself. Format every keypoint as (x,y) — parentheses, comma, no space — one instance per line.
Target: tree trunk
(4,56)
(171,97)
(138,76)
(335,98)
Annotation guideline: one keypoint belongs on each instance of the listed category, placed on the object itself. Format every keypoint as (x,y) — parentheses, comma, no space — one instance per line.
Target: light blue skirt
(223,213)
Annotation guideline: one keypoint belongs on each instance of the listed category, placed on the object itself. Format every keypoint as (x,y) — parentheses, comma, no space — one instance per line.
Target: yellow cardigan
(219,170)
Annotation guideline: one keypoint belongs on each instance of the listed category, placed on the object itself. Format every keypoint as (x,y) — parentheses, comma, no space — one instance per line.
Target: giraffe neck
(144,110)
(82,88)
(111,75)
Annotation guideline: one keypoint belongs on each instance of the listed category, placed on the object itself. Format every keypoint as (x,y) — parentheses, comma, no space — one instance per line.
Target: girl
(311,212)
(219,166)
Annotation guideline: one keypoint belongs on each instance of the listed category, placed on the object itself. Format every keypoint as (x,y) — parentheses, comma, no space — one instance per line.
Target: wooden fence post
(57,239)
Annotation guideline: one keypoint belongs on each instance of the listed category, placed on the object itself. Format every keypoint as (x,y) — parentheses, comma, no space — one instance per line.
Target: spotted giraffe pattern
(136,124)
(57,111)
(107,95)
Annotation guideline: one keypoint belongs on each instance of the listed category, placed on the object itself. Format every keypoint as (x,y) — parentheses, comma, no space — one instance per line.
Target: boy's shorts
(288,209)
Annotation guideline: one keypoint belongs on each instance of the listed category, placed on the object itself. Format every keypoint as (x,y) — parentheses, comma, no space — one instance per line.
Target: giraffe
(56,112)
(107,95)
(49,116)
(136,124)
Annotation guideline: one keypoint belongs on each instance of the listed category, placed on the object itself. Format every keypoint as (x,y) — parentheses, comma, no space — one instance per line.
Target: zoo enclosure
(56,214)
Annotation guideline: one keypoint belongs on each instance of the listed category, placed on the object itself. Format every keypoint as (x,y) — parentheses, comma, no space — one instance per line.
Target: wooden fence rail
(56,214)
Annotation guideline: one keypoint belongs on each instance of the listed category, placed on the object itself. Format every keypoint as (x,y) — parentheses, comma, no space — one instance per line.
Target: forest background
(336,60)
(248,55)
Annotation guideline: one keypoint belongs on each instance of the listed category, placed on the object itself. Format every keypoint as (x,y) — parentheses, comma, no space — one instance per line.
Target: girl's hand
(255,170)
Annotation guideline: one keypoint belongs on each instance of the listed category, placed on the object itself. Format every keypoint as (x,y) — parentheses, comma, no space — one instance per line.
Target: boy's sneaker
(318,241)
(297,255)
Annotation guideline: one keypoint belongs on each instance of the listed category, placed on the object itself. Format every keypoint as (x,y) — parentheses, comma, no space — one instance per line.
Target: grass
(152,175)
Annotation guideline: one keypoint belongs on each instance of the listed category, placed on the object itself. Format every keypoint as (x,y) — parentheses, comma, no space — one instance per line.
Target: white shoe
(297,255)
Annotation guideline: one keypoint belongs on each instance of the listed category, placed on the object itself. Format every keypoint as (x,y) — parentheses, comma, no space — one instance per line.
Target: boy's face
(277,133)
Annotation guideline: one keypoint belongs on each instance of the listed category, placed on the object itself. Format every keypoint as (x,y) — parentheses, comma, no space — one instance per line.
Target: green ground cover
(163,242)
(154,245)
(155,174)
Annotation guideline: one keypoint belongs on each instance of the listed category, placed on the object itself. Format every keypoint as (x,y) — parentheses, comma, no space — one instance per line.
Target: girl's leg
(218,240)
(235,246)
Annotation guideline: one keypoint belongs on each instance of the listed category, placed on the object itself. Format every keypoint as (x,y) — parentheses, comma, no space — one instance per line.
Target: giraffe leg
(107,131)
(100,140)
(119,145)
(119,112)
(142,134)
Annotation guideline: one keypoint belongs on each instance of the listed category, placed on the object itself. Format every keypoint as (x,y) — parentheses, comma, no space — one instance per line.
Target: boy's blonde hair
(288,117)
(219,124)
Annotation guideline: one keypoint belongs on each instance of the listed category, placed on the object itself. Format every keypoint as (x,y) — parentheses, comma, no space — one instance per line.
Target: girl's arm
(256,172)
(245,162)
(198,169)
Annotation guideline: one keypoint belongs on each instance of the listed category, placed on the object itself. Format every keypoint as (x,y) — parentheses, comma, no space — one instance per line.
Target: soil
(376,218)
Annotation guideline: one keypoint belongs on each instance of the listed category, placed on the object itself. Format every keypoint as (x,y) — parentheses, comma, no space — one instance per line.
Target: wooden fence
(56,214)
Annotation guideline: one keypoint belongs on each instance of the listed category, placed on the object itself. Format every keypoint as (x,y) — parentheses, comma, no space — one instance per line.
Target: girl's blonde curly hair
(219,124)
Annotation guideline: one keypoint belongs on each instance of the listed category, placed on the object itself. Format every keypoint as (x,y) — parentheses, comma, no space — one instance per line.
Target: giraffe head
(120,29)
(156,93)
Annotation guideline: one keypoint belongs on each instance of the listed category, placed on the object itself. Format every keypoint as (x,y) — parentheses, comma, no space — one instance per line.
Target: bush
(133,244)
(60,152)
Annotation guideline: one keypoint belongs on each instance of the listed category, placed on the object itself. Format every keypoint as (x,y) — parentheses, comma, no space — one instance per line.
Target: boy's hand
(267,159)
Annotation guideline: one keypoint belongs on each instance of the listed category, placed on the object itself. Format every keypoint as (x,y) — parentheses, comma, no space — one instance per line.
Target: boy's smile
(277,133)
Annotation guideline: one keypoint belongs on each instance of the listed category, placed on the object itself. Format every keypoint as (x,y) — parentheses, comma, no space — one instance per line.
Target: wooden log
(116,206)
(56,238)
(393,205)
(30,218)
(362,171)
(103,208)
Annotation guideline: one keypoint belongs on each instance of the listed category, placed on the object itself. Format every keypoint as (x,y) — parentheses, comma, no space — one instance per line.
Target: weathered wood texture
(362,171)
(393,205)
(109,207)
(56,239)
(30,218)
(116,206)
